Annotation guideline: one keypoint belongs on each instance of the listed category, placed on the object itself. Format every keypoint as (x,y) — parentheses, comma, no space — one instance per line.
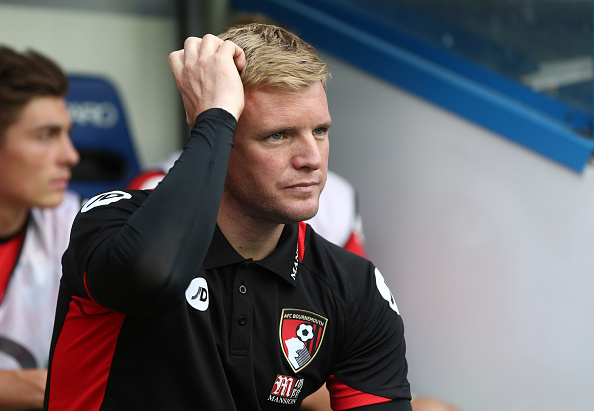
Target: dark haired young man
(36,214)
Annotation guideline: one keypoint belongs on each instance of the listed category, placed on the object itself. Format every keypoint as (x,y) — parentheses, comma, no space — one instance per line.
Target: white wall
(129,50)
(487,248)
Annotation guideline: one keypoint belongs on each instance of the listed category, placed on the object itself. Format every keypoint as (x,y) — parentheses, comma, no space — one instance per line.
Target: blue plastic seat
(101,135)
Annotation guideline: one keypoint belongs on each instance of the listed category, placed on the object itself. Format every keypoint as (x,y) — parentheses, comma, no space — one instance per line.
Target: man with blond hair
(209,292)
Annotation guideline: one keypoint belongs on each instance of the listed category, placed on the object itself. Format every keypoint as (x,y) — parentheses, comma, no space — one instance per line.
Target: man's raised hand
(206,72)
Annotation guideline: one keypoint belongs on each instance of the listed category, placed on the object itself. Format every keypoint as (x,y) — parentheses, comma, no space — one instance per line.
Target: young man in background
(36,213)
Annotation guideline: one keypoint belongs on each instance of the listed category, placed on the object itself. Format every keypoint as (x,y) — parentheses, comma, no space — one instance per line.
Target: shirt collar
(283,261)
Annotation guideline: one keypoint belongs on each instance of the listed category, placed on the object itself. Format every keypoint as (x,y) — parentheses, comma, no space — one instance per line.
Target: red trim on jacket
(86,344)
(343,397)
(301,241)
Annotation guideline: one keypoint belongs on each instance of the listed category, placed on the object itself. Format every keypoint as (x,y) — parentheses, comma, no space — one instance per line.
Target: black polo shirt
(244,335)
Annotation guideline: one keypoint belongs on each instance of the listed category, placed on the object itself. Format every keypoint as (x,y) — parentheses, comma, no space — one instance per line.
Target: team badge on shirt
(301,333)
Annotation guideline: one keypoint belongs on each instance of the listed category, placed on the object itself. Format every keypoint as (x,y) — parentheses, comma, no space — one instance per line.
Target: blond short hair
(275,57)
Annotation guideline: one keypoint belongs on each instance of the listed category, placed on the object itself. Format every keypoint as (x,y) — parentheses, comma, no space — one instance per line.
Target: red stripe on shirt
(82,356)
(343,397)
(87,288)
(301,241)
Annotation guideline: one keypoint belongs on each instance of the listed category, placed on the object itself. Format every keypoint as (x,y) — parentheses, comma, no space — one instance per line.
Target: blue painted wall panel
(534,121)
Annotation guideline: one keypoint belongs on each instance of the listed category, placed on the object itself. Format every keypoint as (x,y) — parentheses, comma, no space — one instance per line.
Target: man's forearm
(22,389)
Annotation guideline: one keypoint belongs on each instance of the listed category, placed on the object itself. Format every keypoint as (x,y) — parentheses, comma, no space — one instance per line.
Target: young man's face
(279,161)
(36,155)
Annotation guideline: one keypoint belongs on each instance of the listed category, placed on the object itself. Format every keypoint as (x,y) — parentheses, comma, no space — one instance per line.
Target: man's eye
(319,131)
(49,134)
(276,136)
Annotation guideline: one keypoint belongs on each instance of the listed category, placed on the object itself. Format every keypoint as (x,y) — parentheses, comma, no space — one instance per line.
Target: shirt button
(242,289)
(242,320)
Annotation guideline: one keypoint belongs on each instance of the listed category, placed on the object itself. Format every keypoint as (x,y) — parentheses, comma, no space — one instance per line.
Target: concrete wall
(487,248)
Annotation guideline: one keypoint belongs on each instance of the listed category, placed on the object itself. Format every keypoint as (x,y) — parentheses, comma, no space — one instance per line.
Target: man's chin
(287,212)
(51,200)
(303,214)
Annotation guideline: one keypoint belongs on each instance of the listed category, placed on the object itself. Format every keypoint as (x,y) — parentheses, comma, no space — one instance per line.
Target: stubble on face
(272,209)
(279,180)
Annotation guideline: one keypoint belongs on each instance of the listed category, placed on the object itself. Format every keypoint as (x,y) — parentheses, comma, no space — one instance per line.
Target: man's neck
(11,220)
(251,239)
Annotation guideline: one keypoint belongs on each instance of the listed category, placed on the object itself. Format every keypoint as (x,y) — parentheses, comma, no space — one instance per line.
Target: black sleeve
(372,356)
(399,405)
(147,262)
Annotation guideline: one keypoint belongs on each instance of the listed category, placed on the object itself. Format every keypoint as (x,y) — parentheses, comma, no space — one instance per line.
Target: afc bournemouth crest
(301,333)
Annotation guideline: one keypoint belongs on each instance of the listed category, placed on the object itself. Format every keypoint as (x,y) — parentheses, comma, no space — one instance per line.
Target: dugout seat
(101,135)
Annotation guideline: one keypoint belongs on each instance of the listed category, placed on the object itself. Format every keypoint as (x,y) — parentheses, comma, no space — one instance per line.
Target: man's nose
(69,153)
(308,154)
